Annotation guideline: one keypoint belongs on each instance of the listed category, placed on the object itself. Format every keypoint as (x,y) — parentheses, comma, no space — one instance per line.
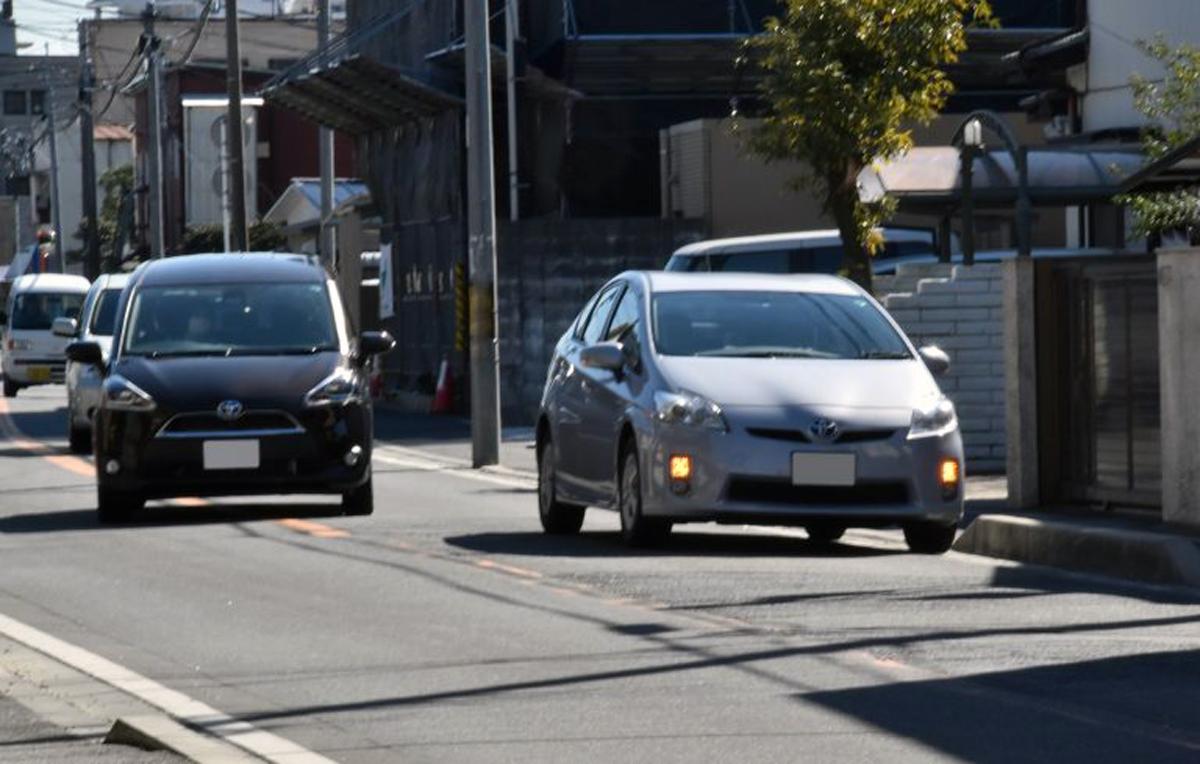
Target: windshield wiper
(307,350)
(886,355)
(155,354)
(733,353)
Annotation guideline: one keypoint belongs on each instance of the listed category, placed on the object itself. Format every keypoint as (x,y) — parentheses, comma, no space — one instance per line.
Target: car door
(572,400)
(609,394)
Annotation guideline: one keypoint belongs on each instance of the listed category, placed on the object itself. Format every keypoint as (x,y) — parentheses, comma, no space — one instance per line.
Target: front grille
(760,491)
(204,423)
(800,436)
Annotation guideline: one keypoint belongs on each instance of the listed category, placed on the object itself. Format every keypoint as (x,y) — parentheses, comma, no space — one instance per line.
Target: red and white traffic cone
(443,396)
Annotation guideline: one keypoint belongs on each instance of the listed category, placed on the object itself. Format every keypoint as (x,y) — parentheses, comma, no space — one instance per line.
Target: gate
(1098,381)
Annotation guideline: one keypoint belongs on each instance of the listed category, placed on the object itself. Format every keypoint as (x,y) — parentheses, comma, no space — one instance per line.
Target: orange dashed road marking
(313,529)
(510,569)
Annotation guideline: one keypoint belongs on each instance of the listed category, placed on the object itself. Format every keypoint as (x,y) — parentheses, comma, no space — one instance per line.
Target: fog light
(353,456)
(949,477)
(681,467)
(112,466)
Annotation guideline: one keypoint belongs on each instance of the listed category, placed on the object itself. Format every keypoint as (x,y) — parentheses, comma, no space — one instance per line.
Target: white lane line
(481,476)
(246,736)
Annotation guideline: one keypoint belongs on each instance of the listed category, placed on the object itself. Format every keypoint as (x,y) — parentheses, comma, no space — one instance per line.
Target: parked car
(745,398)
(232,375)
(95,324)
(888,267)
(797,252)
(33,355)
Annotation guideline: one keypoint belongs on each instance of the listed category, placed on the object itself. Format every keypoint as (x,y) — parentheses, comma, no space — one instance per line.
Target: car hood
(199,384)
(811,384)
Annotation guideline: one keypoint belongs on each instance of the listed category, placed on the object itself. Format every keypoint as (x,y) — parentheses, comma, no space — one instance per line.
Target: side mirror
(64,327)
(374,343)
(604,355)
(88,353)
(935,360)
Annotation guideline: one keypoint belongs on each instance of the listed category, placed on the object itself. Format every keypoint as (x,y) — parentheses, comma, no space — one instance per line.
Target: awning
(928,179)
(1179,168)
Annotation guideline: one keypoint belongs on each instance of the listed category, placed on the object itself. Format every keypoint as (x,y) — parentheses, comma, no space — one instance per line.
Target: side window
(625,323)
(596,322)
(771,261)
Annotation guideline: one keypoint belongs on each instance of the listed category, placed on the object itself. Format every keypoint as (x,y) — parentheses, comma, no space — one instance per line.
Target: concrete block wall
(959,309)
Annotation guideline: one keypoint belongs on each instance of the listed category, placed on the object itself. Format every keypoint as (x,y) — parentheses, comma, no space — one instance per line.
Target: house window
(14,102)
(37,101)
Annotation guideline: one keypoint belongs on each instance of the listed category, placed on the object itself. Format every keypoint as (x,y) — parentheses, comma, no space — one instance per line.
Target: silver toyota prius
(747,399)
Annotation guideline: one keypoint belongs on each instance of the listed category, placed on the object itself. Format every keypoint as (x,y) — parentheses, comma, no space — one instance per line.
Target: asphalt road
(447,628)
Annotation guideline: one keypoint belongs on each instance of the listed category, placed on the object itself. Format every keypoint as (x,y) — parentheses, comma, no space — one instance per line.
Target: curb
(162,733)
(1153,558)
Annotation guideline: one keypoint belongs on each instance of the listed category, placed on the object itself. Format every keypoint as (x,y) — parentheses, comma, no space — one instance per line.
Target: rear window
(826,259)
(36,311)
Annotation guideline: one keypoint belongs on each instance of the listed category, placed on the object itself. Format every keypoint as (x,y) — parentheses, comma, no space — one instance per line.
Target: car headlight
(689,409)
(122,395)
(933,420)
(339,388)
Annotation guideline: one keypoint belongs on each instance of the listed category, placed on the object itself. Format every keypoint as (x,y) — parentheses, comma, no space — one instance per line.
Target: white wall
(1115,26)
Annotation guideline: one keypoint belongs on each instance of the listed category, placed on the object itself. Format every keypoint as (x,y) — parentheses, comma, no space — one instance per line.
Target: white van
(798,251)
(32,354)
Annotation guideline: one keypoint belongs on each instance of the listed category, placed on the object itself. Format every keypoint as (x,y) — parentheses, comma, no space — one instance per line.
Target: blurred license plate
(230,454)
(822,469)
(39,373)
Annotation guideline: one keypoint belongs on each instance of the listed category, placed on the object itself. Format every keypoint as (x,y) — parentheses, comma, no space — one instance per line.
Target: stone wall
(959,309)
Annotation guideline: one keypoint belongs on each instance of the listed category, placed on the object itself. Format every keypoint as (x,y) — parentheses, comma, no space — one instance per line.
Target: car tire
(114,506)
(79,439)
(558,518)
(929,537)
(360,501)
(824,533)
(10,388)
(636,529)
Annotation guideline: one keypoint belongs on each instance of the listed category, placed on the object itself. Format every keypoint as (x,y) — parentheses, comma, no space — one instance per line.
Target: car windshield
(104,315)
(37,310)
(230,319)
(773,325)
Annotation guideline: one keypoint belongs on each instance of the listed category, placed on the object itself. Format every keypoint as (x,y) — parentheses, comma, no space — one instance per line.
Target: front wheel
(10,388)
(824,533)
(558,518)
(929,537)
(360,501)
(117,506)
(78,438)
(637,529)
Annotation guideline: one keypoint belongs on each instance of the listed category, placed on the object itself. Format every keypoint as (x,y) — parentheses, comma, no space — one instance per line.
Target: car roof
(222,268)
(783,240)
(112,280)
(51,282)
(677,281)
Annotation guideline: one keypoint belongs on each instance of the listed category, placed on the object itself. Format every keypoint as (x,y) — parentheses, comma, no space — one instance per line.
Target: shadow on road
(42,425)
(158,516)
(679,544)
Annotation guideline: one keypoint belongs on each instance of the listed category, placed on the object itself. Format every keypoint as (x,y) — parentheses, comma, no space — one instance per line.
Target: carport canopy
(928,180)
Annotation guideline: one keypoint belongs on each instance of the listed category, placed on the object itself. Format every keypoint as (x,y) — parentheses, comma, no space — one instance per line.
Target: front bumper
(308,461)
(31,370)
(745,479)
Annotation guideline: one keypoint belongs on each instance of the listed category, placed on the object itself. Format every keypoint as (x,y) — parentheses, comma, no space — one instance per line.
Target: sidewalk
(1133,546)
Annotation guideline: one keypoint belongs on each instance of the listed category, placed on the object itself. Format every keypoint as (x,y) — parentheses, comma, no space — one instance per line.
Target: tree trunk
(843,202)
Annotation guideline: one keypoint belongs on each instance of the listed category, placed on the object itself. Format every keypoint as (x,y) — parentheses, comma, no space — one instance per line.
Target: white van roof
(50,282)
(773,241)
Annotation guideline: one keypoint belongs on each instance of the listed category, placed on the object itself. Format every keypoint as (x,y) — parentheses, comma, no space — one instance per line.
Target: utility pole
(154,194)
(56,210)
(325,231)
(239,240)
(91,231)
(512,31)
(481,227)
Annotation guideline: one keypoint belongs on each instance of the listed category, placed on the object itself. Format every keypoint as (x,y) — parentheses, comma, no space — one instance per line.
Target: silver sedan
(747,399)
(95,324)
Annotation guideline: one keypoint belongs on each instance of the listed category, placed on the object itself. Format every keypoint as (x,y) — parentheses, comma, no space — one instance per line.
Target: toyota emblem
(824,430)
(230,410)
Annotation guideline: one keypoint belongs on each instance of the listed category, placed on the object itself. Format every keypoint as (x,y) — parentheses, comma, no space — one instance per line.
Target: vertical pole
(968,205)
(325,233)
(55,208)
(87,150)
(1024,206)
(233,124)
(481,225)
(512,31)
(154,195)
